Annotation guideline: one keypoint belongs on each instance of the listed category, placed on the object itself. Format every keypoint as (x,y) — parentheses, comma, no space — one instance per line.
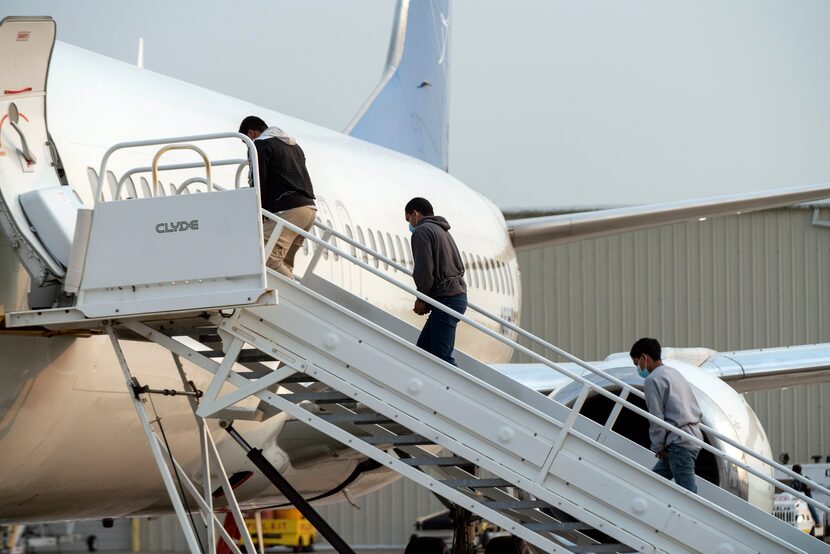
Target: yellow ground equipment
(284,528)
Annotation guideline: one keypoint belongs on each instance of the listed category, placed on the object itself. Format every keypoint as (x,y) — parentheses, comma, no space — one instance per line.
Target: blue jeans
(438,335)
(680,465)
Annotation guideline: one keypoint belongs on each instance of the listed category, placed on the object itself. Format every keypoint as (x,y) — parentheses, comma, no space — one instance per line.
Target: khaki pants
(281,258)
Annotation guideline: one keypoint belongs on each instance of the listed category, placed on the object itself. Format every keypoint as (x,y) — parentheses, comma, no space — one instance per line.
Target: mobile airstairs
(540,470)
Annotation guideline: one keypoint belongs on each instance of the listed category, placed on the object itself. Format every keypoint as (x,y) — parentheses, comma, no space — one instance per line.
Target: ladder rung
(398,439)
(516,504)
(557,527)
(319,397)
(245,356)
(356,418)
(601,548)
(299,378)
(476,483)
(436,461)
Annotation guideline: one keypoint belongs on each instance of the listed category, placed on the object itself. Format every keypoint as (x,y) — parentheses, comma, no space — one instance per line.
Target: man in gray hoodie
(439,274)
(669,397)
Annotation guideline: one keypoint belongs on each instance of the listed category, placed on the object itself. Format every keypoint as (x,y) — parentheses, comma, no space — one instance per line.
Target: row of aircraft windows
(485,274)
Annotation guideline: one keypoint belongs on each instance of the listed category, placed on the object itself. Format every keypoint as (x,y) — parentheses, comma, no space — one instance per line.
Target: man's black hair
(252,123)
(649,347)
(420,205)
(797,468)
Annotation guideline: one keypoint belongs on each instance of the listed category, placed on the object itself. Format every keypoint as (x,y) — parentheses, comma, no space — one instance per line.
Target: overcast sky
(553,103)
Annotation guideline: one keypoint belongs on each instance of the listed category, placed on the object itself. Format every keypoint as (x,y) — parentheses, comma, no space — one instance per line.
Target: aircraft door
(37,213)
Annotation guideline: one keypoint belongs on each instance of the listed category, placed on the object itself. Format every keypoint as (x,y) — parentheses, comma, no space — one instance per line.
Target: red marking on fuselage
(27,89)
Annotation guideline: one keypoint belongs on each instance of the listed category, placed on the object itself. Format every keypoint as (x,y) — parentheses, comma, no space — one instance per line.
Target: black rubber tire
(426,545)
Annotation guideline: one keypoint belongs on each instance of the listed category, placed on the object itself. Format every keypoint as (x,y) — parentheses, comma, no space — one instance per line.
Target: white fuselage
(71,440)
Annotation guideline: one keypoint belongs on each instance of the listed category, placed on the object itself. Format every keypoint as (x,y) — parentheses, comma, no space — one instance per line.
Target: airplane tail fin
(408,110)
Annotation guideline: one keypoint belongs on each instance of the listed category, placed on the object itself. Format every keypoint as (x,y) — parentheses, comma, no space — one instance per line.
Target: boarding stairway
(350,370)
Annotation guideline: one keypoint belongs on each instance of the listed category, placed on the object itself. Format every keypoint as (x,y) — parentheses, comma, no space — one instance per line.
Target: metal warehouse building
(739,282)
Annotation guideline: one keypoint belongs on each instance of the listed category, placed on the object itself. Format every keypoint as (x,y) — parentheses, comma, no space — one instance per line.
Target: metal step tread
(319,397)
(558,526)
(436,461)
(356,418)
(473,483)
(515,504)
(398,439)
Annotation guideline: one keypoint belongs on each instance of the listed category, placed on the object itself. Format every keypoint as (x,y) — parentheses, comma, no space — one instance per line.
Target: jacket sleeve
(263,158)
(424,265)
(655,393)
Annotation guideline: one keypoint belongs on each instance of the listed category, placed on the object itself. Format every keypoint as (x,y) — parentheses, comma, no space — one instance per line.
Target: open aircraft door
(37,209)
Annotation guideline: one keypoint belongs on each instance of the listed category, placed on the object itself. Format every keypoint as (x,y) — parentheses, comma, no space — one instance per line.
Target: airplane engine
(724,410)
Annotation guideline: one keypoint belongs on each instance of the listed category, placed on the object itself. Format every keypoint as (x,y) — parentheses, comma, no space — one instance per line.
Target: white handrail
(252,153)
(575,377)
(622,384)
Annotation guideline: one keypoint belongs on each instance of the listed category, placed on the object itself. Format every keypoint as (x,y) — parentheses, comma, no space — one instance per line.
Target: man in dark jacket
(439,274)
(285,189)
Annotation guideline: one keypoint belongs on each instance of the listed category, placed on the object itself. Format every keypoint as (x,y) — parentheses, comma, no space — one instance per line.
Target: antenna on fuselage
(140,61)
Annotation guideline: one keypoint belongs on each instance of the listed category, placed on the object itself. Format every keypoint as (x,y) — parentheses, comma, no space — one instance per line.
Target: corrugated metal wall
(385,517)
(731,283)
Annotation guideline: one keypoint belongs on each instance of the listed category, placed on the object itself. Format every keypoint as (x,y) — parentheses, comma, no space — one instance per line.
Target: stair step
(436,461)
(245,356)
(516,504)
(356,418)
(558,526)
(601,548)
(399,439)
(476,483)
(319,397)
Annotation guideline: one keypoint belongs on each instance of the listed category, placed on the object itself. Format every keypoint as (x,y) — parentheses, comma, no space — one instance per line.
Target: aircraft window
(479,269)
(508,278)
(382,248)
(488,271)
(145,188)
(333,239)
(469,270)
(314,245)
(112,181)
(391,246)
(500,268)
(373,245)
(362,241)
(491,267)
(352,249)
(409,261)
(401,253)
(92,175)
(129,185)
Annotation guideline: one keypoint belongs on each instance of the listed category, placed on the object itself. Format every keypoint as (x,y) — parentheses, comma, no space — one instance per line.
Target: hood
(437,220)
(276,132)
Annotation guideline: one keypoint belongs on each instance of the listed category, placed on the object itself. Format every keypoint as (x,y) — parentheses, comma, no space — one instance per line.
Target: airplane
(77,450)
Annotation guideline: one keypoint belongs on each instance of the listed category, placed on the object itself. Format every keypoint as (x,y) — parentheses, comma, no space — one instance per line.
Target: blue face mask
(642,372)
(411,228)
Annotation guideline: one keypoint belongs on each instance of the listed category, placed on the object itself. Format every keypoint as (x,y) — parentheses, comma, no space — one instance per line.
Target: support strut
(290,493)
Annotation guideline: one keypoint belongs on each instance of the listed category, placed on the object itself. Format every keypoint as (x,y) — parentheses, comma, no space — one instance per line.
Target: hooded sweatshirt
(438,270)
(283,177)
